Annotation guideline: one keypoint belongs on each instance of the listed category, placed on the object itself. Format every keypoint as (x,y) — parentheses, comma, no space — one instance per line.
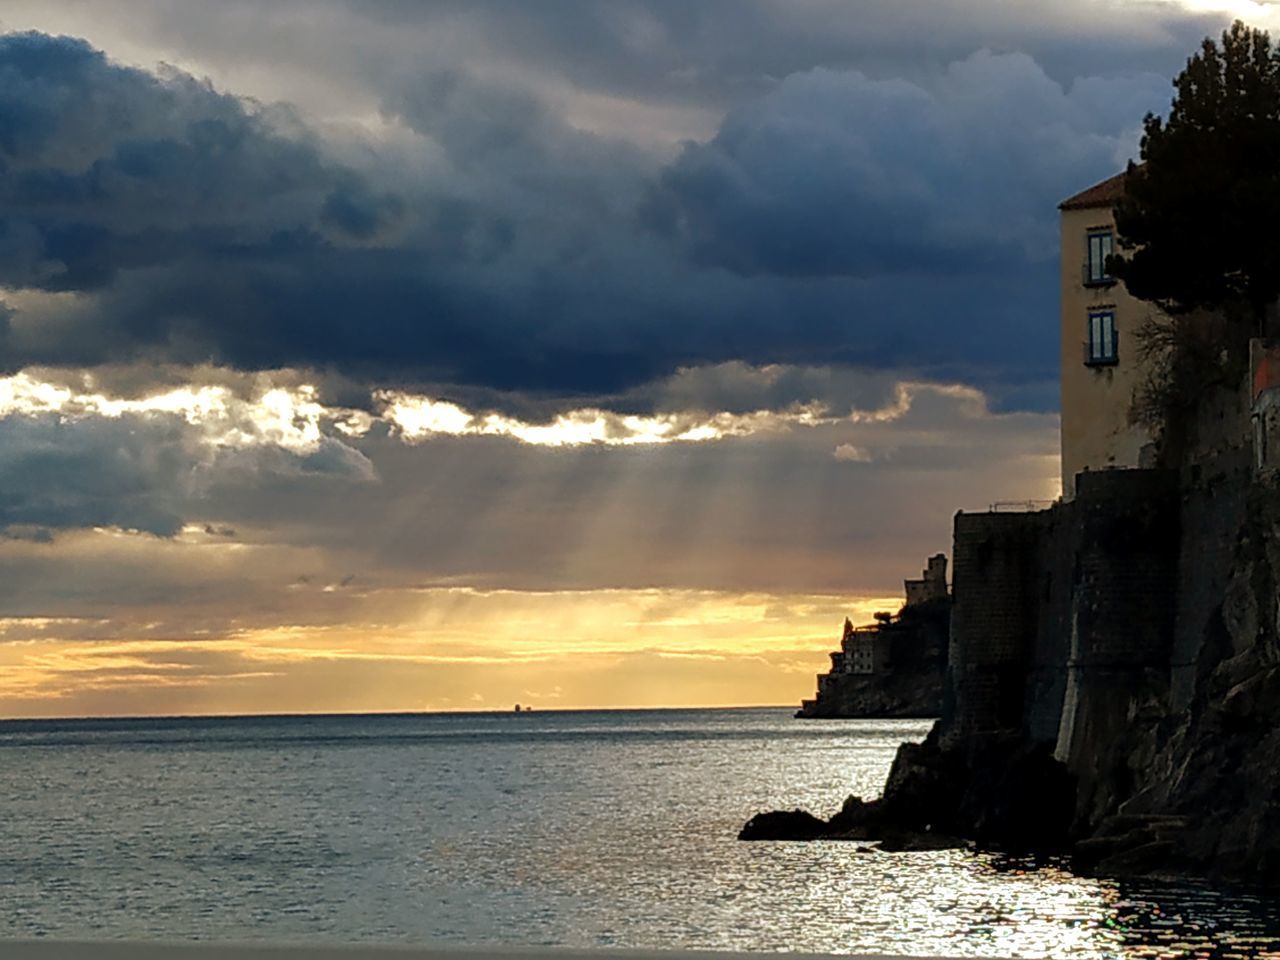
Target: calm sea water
(574,828)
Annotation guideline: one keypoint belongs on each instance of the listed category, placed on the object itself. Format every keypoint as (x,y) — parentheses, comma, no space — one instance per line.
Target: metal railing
(1021,506)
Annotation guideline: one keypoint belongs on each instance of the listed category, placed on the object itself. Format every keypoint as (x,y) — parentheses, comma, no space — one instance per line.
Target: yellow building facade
(1100,361)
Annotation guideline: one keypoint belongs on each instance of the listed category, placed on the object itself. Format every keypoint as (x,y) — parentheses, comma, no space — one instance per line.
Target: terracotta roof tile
(1103,194)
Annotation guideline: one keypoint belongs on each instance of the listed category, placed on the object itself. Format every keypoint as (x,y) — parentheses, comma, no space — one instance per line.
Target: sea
(564,828)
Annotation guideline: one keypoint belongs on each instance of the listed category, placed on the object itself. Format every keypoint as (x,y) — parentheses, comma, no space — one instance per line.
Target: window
(863,656)
(1095,265)
(1102,343)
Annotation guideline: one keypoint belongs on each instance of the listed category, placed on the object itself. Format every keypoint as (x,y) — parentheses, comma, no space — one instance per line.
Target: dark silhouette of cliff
(1113,687)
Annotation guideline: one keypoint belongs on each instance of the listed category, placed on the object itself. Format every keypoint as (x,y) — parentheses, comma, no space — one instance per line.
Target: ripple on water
(577,829)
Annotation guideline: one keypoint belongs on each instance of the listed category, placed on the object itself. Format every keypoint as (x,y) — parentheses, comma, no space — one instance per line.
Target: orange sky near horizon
(468,650)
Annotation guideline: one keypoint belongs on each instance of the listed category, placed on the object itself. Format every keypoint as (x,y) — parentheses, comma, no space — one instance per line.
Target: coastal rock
(784,825)
(999,793)
(925,786)
(1157,858)
(1019,799)
(916,841)
(856,820)
(1113,685)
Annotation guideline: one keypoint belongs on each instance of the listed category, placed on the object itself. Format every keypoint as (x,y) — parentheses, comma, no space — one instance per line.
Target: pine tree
(1199,225)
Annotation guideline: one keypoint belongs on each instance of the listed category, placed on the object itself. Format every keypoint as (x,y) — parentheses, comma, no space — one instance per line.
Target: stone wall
(993,620)
(1063,617)
(1055,588)
(1122,616)
(1212,514)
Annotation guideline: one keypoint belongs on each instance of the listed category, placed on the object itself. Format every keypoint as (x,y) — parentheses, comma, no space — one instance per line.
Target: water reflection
(611,829)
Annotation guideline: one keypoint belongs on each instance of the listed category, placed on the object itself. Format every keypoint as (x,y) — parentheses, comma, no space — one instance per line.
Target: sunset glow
(457,649)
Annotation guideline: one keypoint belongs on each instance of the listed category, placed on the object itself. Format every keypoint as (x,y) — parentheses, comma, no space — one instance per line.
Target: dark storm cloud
(833,173)
(837,216)
(208,231)
(107,168)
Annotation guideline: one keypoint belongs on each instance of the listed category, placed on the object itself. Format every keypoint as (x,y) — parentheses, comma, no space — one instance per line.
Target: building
(932,584)
(1101,363)
(896,666)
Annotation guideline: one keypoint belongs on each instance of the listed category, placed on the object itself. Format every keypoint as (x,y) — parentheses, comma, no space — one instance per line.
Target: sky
(451,355)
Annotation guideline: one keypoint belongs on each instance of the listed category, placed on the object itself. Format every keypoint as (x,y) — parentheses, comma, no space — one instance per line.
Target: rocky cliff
(1114,681)
(1208,772)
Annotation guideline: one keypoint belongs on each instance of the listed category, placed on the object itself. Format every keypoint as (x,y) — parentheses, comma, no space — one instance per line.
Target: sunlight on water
(575,829)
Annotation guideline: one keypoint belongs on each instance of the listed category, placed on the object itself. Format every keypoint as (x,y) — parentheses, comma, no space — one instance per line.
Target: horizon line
(330,714)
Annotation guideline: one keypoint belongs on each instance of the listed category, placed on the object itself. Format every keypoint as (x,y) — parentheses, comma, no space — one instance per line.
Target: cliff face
(1179,768)
(1214,760)
(1132,632)
(916,695)
(1113,687)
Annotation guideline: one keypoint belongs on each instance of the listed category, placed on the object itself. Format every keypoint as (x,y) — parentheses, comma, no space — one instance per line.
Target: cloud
(849,453)
(351,334)
(71,460)
(419,418)
(355,212)
(834,173)
(204,458)
(771,509)
(258,414)
(110,168)
(492,244)
(58,474)
(460,537)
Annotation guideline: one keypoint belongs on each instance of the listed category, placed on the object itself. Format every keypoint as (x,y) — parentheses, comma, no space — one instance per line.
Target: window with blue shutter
(1101,346)
(1098,248)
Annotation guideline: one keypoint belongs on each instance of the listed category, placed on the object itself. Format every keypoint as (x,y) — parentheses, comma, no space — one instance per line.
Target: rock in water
(784,825)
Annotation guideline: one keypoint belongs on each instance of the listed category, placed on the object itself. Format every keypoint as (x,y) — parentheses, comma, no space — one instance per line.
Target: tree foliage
(1197,225)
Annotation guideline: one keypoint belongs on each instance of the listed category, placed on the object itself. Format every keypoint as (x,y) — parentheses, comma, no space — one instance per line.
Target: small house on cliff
(1101,364)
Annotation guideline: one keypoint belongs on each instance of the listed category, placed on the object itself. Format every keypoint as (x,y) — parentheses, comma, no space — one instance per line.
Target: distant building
(896,666)
(932,584)
(1101,365)
(863,650)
